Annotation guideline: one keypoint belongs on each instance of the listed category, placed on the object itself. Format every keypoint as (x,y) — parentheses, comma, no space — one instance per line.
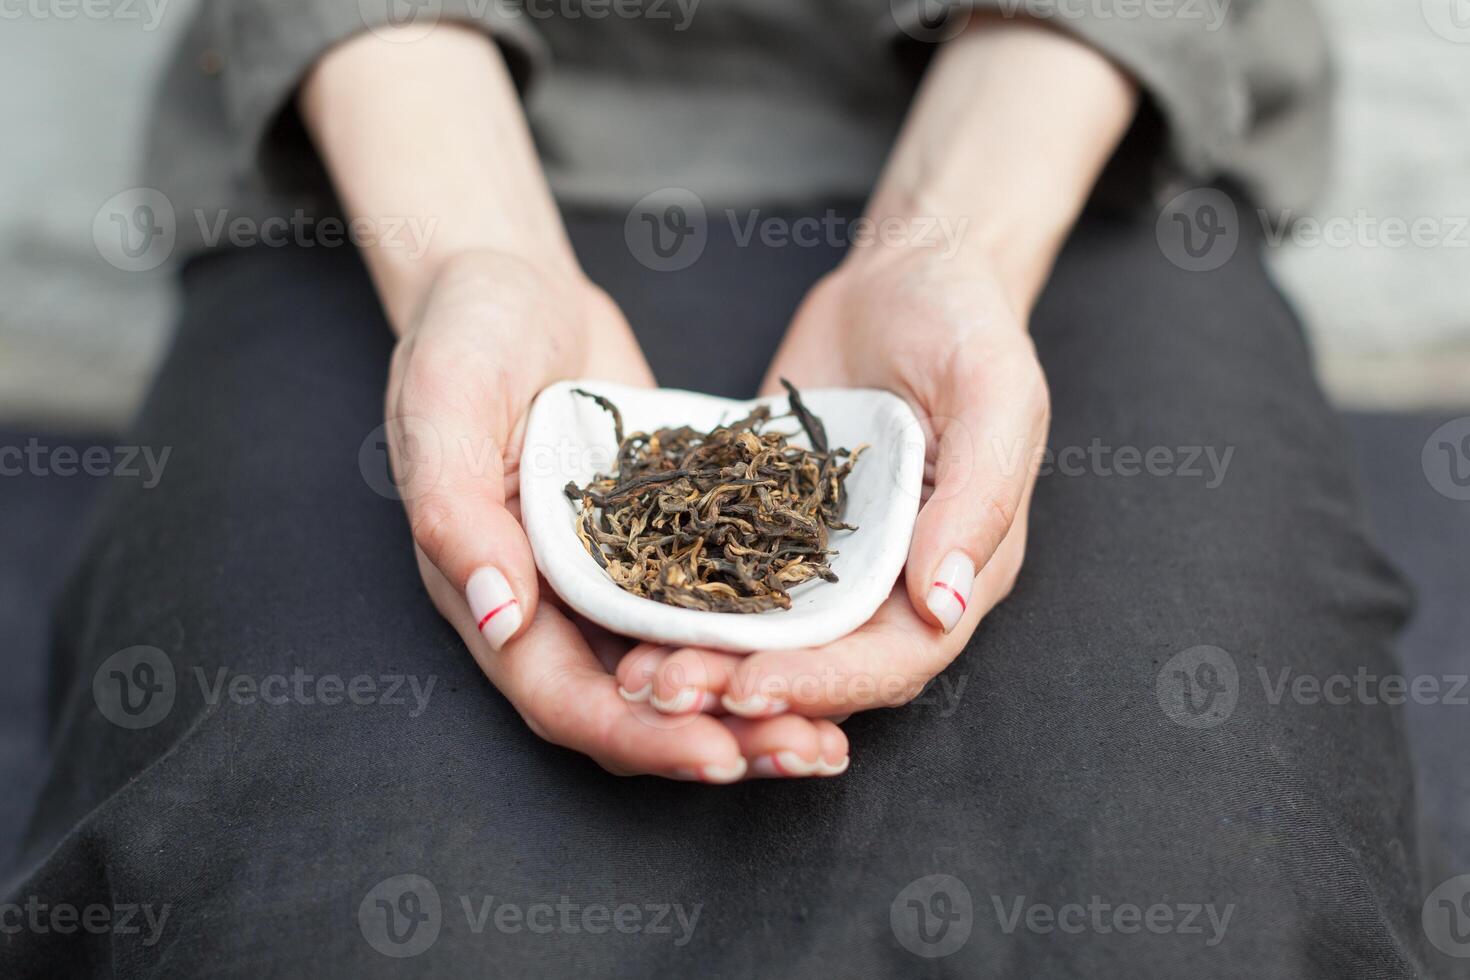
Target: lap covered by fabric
(271,749)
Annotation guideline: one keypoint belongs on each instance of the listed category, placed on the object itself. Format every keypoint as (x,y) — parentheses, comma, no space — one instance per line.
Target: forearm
(431,130)
(1010,130)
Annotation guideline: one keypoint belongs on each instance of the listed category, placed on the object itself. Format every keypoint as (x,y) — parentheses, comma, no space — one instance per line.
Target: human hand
(493,332)
(1011,127)
(490,310)
(944,335)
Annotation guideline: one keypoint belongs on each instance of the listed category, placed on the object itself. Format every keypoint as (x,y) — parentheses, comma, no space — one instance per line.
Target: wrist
(403,150)
(404,285)
(471,277)
(975,235)
(1013,124)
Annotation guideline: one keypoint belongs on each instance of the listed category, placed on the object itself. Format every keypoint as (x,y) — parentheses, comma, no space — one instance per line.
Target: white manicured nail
(949,596)
(638,696)
(825,768)
(724,774)
(493,605)
(686,700)
(755,706)
(782,764)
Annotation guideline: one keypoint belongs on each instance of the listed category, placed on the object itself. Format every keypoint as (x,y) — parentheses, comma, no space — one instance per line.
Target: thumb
(985,438)
(451,473)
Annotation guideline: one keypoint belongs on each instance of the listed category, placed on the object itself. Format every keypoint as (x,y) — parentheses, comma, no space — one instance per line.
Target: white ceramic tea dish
(569,438)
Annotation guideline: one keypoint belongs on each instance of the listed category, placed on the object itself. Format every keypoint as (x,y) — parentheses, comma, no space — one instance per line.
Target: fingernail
(755,706)
(688,699)
(638,696)
(782,764)
(949,596)
(825,768)
(724,774)
(493,605)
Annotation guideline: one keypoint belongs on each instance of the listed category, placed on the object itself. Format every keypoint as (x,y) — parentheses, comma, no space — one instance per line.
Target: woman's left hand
(941,332)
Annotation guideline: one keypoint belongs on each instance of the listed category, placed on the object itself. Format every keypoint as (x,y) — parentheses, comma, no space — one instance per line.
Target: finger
(449,456)
(884,663)
(790,746)
(636,671)
(692,679)
(989,426)
(551,677)
(835,752)
(575,703)
(676,680)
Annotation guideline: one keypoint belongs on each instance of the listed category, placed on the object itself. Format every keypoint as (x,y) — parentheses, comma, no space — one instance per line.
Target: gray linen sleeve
(266,47)
(1198,63)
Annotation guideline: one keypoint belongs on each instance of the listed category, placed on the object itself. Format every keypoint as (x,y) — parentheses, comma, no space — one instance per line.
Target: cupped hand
(493,331)
(942,333)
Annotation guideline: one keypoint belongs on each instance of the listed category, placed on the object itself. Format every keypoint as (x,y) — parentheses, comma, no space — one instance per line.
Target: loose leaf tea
(726,520)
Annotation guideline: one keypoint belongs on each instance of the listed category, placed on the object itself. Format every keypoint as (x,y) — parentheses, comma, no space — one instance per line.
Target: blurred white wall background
(77,337)
(1391,324)
(1391,320)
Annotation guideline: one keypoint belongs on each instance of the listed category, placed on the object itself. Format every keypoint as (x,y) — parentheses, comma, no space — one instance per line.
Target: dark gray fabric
(743,102)
(1427,534)
(1044,769)
(43,514)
